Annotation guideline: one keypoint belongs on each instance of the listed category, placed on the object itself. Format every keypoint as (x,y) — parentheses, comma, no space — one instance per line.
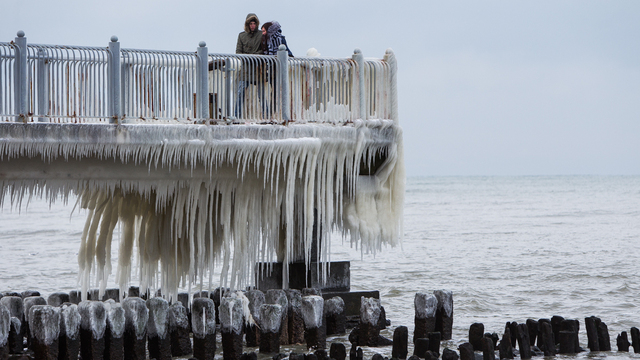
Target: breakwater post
(203,325)
(231,323)
(159,338)
(252,331)
(270,327)
(312,313)
(92,328)
(135,333)
(426,306)
(114,333)
(179,329)
(44,323)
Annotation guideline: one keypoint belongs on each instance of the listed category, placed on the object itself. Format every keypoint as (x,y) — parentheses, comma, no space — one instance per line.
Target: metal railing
(54,83)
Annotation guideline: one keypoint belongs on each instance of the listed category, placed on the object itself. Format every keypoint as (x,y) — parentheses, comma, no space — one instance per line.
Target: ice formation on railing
(254,195)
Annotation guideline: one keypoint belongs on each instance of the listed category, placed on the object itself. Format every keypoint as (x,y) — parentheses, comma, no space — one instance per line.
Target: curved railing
(55,83)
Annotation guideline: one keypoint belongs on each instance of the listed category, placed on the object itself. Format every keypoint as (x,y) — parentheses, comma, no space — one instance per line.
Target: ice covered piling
(44,322)
(57,298)
(158,329)
(294,313)
(369,317)
(15,307)
(270,327)
(5,328)
(135,331)
(426,306)
(278,296)
(203,324)
(70,322)
(334,313)
(312,313)
(114,333)
(179,327)
(231,325)
(92,328)
(252,331)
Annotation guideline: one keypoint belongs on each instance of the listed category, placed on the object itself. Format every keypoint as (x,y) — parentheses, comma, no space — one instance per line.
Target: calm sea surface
(510,248)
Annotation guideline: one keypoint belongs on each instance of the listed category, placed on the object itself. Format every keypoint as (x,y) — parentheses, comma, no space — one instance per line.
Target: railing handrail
(65,83)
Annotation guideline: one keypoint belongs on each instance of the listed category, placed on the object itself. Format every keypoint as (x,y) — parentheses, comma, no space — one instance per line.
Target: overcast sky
(485,87)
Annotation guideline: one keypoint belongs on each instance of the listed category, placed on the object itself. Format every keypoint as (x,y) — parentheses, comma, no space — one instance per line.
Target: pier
(201,157)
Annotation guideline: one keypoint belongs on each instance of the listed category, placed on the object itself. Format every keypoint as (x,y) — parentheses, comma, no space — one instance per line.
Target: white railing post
(43,85)
(359,59)
(390,58)
(202,82)
(283,82)
(21,78)
(114,93)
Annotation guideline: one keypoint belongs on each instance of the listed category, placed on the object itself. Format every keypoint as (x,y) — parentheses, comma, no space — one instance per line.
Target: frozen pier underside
(191,196)
(203,159)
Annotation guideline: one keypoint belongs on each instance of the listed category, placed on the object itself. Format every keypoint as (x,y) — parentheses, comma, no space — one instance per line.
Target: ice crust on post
(248,194)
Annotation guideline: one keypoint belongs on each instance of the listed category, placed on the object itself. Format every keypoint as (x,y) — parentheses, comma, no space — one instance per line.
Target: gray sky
(485,87)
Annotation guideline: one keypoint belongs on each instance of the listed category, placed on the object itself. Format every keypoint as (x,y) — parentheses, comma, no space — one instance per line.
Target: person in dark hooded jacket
(250,39)
(249,43)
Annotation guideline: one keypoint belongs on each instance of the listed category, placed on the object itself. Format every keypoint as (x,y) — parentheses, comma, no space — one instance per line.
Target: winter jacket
(249,42)
(275,39)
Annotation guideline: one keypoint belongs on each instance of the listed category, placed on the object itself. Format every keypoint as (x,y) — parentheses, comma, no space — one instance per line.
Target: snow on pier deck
(203,158)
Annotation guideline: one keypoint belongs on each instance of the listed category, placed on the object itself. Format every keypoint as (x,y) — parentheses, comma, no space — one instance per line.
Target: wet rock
(135,331)
(400,343)
(231,325)
(158,335)
(252,331)
(426,307)
(476,333)
(448,354)
(249,356)
(430,355)
(44,321)
(312,314)
(279,356)
(114,333)
(383,341)
(523,341)
(92,328)
(377,357)
(623,342)
(294,314)
(336,319)
(338,351)
(321,354)
(179,329)
(421,346)
(505,348)
(271,323)
(57,299)
(203,325)
(488,350)
(369,316)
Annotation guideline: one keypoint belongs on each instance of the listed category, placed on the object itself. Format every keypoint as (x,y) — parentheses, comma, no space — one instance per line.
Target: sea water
(509,248)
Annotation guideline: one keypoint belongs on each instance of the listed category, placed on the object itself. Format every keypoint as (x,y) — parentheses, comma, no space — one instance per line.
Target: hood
(274,28)
(251,17)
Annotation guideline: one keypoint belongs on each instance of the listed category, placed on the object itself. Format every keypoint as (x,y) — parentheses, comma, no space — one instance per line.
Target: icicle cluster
(191,197)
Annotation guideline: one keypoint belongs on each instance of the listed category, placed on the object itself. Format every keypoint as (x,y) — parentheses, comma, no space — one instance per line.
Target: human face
(264,32)
(252,26)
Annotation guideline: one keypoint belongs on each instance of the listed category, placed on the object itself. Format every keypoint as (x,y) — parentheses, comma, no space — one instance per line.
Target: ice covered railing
(122,130)
(74,84)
